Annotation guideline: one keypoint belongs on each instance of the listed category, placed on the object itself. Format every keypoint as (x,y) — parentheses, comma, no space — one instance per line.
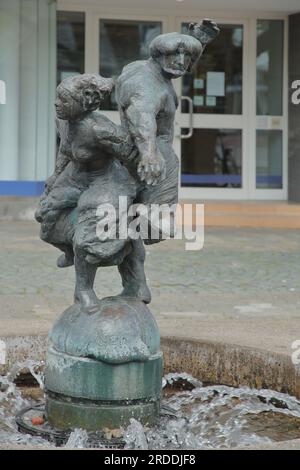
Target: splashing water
(215,416)
(78,439)
(170,379)
(33,367)
(12,401)
(135,436)
(225,417)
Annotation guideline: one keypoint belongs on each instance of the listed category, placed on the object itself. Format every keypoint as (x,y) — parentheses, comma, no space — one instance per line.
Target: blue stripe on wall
(35,188)
(21,188)
(228,179)
(269,179)
(211,179)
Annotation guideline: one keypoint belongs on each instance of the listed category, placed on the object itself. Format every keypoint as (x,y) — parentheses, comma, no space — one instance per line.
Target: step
(269,214)
(245,214)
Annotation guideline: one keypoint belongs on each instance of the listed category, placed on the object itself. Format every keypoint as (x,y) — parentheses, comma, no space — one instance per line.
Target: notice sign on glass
(198,83)
(215,83)
(198,100)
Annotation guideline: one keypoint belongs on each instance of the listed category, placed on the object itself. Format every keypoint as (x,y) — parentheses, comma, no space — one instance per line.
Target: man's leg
(85,277)
(133,273)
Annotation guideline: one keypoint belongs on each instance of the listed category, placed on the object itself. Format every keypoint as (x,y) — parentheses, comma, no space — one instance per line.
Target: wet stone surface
(274,425)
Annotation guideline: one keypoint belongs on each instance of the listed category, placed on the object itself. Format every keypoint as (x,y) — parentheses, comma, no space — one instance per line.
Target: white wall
(27,65)
(9,73)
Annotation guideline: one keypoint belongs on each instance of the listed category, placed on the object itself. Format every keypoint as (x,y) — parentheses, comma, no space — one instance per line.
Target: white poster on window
(215,83)
(198,100)
(198,83)
(211,101)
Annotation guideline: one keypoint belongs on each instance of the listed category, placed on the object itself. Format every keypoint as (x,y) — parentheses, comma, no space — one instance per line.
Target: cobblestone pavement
(239,274)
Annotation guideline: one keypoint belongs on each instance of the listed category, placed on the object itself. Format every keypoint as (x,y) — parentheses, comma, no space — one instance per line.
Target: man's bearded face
(175,64)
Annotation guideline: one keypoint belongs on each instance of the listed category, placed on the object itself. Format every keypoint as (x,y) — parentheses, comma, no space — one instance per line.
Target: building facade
(237,127)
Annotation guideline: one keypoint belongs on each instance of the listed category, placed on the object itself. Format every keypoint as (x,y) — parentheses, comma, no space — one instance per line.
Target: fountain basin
(211,362)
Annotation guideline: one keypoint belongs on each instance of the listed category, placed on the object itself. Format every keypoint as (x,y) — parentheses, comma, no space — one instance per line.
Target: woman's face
(66,106)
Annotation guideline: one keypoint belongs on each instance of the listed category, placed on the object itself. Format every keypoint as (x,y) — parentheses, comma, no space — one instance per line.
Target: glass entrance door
(230,133)
(210,128)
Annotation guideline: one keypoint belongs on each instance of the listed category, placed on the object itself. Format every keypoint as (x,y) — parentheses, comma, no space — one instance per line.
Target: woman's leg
(57,231)
(67,258)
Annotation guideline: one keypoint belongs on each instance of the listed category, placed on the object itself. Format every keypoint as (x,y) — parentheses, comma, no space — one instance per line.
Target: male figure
(147,104)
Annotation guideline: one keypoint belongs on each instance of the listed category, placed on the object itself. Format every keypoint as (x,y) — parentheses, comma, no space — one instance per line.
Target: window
(216,83)
(269,67)
(70,44)
(122,42)
(212,158)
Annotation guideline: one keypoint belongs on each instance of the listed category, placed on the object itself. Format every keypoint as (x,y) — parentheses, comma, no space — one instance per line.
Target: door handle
(191,116)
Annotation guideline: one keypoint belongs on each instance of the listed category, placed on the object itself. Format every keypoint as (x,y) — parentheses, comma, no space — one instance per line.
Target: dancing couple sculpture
(97,162)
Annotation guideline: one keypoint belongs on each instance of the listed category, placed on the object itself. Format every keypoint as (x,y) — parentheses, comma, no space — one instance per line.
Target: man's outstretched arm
(140,117)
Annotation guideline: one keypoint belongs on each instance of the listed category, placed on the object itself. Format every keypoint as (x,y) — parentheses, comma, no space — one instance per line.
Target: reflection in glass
(269,159)
(70,44)
(269,67)
(219,92)
(212,158)
(122,42)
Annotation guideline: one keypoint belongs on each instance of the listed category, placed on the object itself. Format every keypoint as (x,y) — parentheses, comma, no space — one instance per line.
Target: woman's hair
(168,43)
(87,88)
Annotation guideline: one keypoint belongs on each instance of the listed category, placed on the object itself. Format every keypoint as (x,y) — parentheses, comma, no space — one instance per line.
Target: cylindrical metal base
(92,394)
(93,416)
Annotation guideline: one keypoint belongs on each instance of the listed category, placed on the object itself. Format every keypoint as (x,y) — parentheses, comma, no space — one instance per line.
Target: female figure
(93,167)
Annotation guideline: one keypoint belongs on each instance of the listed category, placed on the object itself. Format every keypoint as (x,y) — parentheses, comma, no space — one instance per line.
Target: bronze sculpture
(99,161)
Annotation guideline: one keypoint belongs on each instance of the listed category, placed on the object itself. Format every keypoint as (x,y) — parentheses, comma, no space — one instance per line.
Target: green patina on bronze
(96,380)
(104,367)
(118,330)
(104,364)
(70,415)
